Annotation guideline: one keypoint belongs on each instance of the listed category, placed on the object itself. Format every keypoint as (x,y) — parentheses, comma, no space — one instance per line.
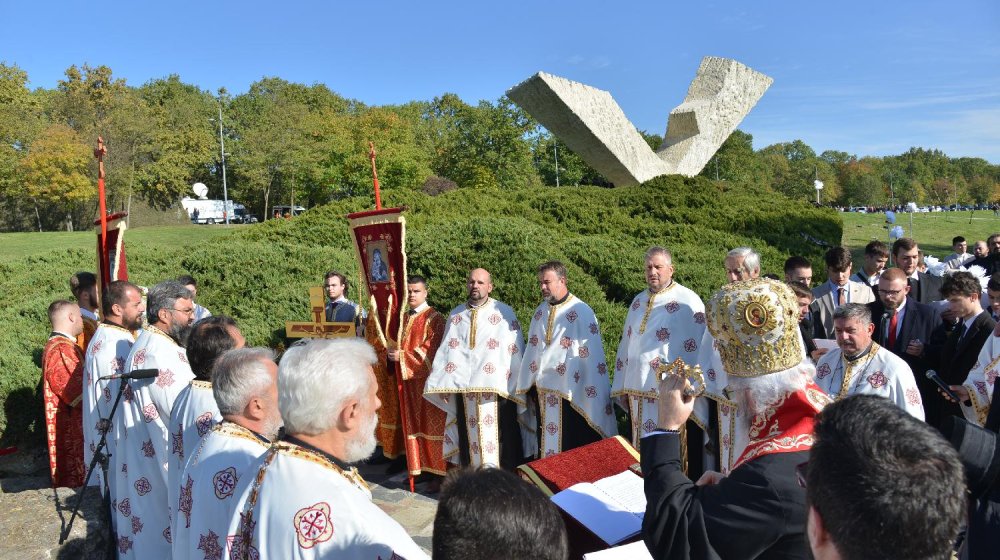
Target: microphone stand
(99,458)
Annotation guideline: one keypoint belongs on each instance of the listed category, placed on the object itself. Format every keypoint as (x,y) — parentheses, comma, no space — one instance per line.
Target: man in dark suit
(902,325)
(923,287)
(960,349)
(990,261)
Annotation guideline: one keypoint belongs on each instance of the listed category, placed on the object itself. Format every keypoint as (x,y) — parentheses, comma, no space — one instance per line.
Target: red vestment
(422,334)
(62,374)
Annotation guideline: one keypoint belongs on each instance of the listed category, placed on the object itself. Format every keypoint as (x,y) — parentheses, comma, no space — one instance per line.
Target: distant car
(923,209)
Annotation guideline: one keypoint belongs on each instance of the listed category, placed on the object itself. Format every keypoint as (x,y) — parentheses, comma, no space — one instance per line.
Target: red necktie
(892,330)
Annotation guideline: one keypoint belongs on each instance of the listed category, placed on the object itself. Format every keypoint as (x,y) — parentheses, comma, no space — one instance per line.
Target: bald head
(480,285)
(893,274)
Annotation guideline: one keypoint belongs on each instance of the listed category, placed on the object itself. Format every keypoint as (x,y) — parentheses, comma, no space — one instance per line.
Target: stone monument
(590,122)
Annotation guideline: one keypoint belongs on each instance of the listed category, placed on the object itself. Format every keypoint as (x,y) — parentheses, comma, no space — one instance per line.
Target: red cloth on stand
(589,463)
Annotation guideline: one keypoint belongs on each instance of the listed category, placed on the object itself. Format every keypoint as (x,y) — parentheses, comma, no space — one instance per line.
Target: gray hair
(163,296)
(657,250)
(240,375)
(757,394)
(315,379)
(751,260)
(857,311)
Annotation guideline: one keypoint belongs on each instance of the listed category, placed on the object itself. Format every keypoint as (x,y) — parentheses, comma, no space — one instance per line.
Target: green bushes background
(261,274)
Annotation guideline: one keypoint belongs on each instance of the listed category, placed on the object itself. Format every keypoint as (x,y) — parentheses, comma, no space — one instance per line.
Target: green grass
(18,245)
(933,230)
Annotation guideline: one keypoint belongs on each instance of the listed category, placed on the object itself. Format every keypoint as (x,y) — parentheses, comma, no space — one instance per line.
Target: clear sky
(868,78)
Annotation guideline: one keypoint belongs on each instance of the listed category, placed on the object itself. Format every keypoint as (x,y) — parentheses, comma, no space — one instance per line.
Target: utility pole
(222,151)
(555,148)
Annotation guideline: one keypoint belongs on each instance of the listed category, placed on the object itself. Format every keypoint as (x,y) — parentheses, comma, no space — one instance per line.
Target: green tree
(20,122)
(55,173)
(735,161)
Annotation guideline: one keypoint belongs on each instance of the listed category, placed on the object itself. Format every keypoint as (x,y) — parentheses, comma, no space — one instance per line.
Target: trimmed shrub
(261,274)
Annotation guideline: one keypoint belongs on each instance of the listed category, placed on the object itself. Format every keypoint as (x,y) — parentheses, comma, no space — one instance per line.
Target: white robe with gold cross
(106,355)
(479,360)
(295,503)
(879,372)
(564,359)
(141,495)
(209,481)
(981,382)
(193,415)
(659,329)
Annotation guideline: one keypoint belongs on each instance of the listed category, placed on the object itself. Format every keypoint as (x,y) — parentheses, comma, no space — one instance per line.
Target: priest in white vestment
(140,496)
(665,322)
(976,392)
(245,384)
(302,498)
(474,380)
(106,354)
(564,362)
(195,410)
(861,366)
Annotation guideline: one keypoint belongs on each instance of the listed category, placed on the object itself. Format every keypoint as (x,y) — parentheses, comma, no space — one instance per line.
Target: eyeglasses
(891,293)
(801,472)
(189,311)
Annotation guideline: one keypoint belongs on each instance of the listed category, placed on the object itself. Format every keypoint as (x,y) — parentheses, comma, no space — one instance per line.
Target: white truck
(205,211)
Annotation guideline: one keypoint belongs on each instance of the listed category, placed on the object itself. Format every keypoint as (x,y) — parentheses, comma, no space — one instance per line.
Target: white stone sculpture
(590,122)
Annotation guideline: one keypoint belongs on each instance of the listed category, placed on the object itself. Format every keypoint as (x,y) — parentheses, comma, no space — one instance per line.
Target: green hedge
(261,274)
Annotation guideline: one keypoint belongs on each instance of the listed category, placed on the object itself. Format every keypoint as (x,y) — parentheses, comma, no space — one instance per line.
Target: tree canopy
(305,144)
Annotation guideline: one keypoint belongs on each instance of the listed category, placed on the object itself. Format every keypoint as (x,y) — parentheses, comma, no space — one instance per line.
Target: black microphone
(134,374)
(933,376)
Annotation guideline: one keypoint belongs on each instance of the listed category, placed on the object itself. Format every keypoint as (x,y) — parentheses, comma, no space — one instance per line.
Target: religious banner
(111,250)
(379,237)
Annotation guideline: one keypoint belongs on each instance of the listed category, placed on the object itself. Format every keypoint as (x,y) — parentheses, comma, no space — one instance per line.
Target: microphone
(933,376)
(134,374)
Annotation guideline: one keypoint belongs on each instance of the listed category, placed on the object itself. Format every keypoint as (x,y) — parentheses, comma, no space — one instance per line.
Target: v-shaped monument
(590,122)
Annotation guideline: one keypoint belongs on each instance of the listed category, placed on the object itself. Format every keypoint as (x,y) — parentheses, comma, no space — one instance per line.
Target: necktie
(840,297)
(914,288)
(892,330)
(960,332)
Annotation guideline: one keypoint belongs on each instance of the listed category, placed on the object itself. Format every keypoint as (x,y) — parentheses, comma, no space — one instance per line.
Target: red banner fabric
(380,240)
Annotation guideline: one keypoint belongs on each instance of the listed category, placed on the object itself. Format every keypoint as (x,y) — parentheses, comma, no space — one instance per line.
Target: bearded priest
(759,509)
(303,498)
(564,367)
(140,490)
(474,380)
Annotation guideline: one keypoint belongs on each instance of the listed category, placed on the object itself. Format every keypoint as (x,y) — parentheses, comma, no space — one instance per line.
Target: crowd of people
(221,451)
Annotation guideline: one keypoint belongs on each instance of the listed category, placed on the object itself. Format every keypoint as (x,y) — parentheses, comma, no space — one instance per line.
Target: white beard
(363,447)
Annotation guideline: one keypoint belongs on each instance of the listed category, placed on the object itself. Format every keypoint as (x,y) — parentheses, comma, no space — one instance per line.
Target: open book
(632,551)
(612,508)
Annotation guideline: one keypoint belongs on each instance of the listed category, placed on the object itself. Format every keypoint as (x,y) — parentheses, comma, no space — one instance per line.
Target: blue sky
(868,78)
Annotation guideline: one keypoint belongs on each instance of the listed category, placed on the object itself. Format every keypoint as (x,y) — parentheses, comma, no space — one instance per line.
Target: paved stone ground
(32,514)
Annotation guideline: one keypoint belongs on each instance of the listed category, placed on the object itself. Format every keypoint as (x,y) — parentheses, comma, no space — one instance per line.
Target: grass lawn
(17,245)
(933,230)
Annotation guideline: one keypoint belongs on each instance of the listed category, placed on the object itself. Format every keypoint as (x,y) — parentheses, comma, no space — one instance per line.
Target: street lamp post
(222,151)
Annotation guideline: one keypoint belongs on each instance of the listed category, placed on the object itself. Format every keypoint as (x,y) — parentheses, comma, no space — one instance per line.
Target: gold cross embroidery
(553,309)
(649,306)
